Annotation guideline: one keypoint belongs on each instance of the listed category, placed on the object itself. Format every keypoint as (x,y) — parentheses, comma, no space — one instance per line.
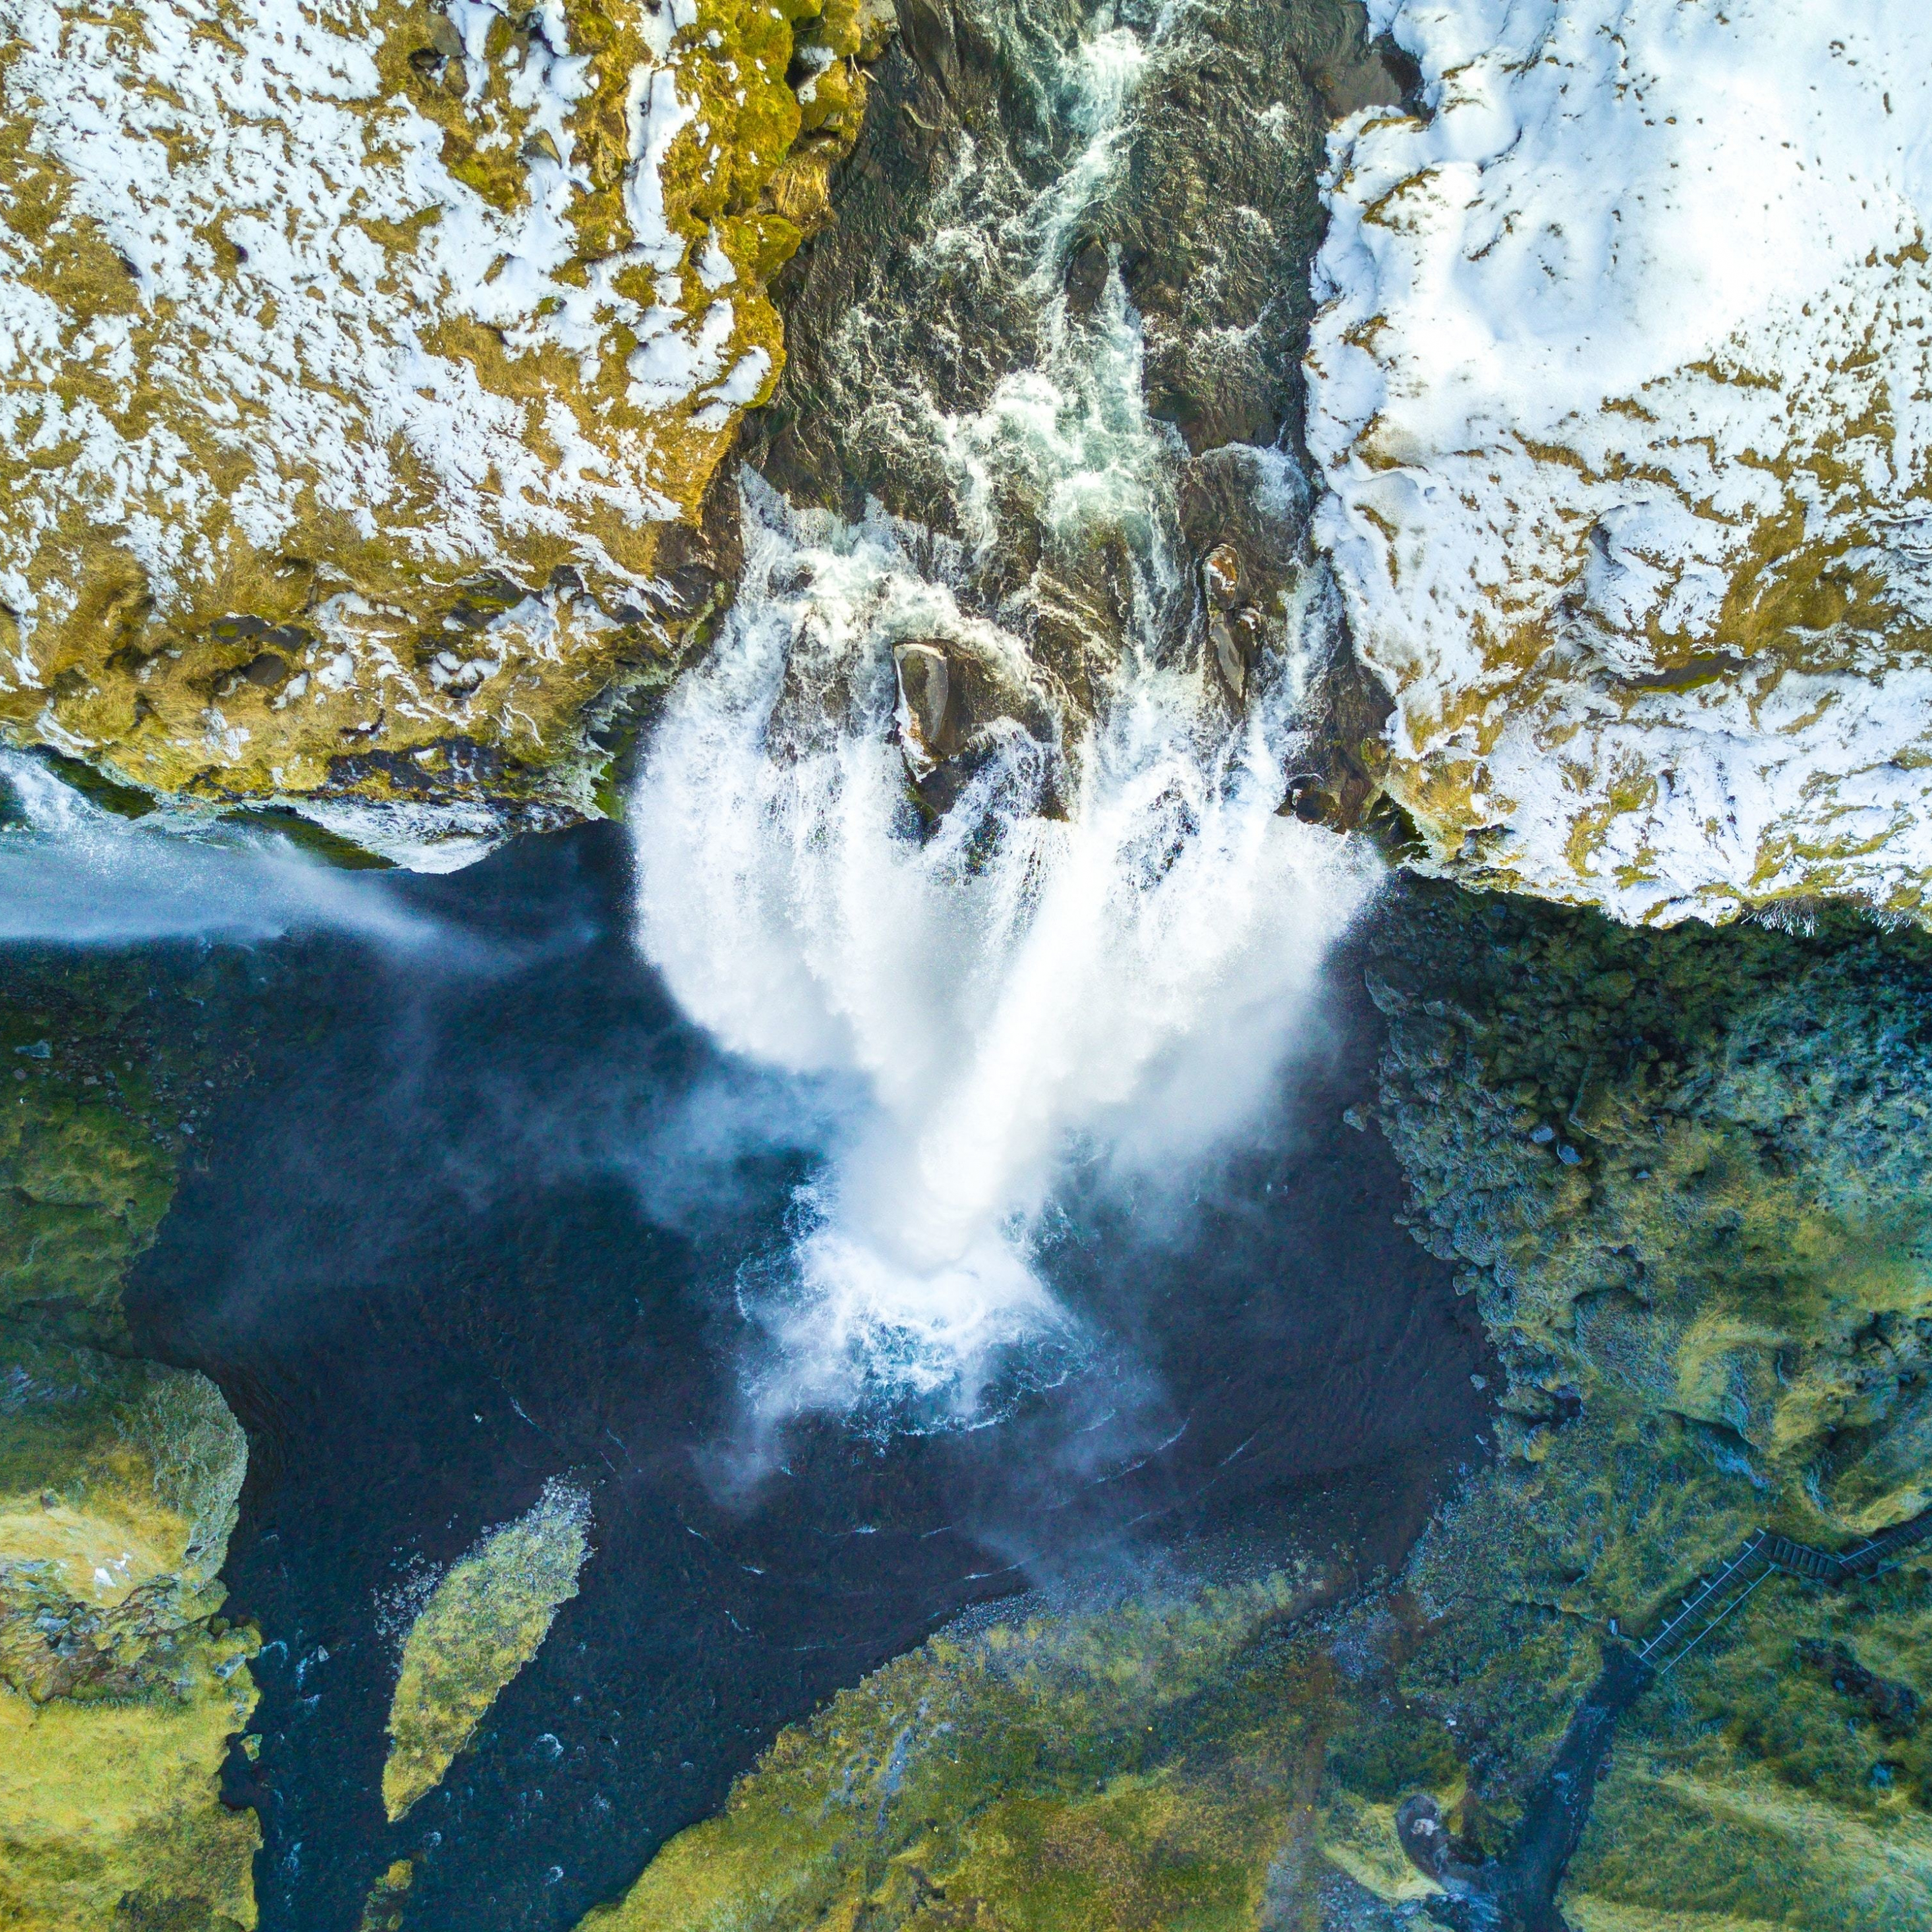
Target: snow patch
(1622,390)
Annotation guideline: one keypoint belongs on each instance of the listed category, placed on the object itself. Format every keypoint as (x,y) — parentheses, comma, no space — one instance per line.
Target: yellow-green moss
(1745,1785)
(118,1485)
(120,1686)
(1142,1765)
(382,1910)
(484,1621)
(110,1818)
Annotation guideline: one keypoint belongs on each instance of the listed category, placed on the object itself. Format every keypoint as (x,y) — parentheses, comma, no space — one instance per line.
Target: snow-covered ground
(1621,391)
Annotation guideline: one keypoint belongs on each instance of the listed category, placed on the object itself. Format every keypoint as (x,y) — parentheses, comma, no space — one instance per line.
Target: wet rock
(1310,801)
(925,705)
(1210,213)
(1221,576)
(1087,271)
(1234,638)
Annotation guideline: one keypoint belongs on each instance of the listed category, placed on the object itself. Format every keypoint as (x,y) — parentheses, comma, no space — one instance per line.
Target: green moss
(1688,1170)
(88,1134)
(1075,1773)
(1685,1175)
(484,1621)
(119,1484)
(119,1684)
(110,1816)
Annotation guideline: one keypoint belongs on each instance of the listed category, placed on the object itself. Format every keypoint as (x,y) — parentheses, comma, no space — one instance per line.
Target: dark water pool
(474,1223)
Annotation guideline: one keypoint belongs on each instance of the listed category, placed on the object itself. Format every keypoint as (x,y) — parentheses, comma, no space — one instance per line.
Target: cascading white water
(1109,952)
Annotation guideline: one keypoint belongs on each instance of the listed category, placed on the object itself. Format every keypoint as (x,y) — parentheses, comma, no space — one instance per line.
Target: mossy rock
(120,1686)
(110,1816)
(486,1618)
(1147,1764)
(1686,1171)
(373,384)
(119,1482)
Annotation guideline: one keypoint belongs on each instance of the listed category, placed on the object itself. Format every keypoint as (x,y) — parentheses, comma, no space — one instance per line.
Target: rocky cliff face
(366,369)
(1679,1173)
(1619,392)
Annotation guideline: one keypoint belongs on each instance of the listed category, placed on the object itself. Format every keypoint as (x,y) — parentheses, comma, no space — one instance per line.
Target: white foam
(1108,941)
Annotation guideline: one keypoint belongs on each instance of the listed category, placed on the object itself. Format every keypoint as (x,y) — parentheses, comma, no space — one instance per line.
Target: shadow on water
(469,1229)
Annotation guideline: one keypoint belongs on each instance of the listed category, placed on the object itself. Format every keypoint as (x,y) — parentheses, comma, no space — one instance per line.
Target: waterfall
(1059,924)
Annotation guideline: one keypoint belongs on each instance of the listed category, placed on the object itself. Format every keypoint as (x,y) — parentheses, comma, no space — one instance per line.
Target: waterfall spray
(1099,937)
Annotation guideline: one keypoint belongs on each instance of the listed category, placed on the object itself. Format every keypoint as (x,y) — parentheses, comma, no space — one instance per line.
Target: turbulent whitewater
(877,840)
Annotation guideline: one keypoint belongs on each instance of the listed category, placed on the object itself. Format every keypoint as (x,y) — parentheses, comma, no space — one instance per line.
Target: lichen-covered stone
(486,1617)
(366,368)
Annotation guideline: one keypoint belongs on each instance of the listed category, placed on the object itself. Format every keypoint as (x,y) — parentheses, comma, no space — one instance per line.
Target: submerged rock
(1619,392)
(484,1620)
(366,372)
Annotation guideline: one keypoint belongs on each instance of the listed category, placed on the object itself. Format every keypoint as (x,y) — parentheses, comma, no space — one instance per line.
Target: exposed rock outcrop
(1153,241)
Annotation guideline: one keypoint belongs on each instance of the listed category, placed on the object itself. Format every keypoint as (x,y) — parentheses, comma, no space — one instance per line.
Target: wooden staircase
(1761,1555)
